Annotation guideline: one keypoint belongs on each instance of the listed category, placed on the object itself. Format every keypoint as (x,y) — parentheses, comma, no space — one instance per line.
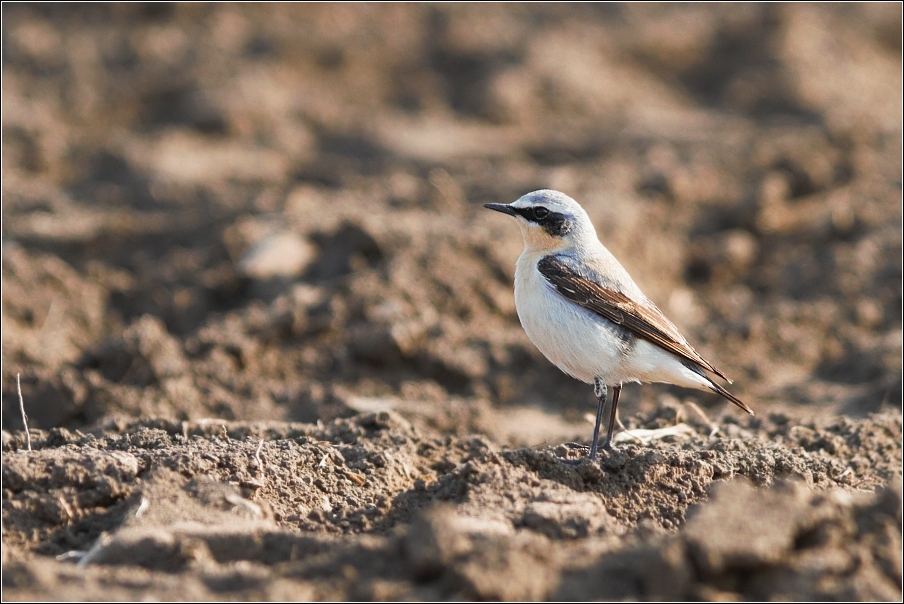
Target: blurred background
(274,211)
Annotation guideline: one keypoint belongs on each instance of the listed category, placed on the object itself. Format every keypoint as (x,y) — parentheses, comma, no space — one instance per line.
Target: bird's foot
(572,446)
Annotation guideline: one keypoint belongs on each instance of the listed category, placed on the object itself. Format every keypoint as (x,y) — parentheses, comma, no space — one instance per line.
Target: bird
(583,311)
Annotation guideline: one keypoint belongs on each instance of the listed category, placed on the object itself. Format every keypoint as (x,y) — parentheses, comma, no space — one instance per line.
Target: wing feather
(645,321)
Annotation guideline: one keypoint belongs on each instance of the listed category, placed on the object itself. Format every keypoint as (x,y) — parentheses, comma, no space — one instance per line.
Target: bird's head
(550,221)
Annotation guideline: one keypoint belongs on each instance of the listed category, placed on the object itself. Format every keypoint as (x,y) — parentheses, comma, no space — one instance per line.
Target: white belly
(574,339)
(586,346)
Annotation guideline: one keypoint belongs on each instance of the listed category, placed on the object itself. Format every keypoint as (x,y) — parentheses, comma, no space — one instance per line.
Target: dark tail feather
(720,390)
(719,373)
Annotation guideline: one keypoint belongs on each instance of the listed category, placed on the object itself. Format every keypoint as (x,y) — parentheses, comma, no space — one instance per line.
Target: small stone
(281,255)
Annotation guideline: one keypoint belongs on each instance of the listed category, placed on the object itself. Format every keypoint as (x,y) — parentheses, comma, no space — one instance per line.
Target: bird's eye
(540,213)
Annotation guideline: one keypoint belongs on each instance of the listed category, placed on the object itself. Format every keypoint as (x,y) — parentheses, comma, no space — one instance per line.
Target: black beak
(501,207)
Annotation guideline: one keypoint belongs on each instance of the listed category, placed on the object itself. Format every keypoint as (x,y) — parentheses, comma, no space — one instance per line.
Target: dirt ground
(266,333)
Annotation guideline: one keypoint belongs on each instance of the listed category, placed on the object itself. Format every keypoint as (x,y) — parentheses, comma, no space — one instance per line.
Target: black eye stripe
(536,213)
(554,223)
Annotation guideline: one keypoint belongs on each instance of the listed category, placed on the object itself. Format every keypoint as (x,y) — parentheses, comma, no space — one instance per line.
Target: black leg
(599,388)
(616,390)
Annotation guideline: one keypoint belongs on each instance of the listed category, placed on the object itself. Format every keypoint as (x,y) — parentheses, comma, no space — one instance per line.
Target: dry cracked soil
(266,333)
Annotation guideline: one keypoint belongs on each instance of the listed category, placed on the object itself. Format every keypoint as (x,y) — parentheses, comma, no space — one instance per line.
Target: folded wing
(645,321)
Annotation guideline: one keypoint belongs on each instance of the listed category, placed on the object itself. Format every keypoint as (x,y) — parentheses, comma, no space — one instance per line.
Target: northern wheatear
(583,311)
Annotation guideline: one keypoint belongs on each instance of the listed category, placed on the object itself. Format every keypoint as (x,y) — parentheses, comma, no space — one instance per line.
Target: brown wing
(646,322)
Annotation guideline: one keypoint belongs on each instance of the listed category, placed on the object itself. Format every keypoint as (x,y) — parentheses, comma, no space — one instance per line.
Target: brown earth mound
(267,338)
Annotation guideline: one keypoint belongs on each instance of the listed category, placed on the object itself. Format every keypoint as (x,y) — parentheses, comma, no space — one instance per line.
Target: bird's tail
(720,390)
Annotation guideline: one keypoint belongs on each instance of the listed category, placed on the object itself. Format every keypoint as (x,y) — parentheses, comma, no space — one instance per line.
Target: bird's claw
(591,456)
